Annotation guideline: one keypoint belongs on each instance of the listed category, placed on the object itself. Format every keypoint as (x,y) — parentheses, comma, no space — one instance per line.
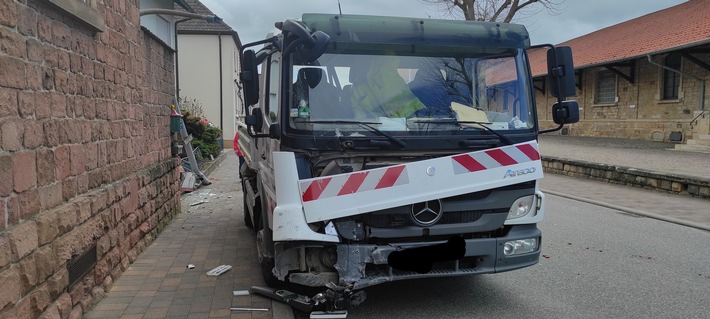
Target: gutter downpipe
(702,81)
(221,89)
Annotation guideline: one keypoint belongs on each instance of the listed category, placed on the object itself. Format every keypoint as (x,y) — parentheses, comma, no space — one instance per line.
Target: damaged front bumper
(363,265)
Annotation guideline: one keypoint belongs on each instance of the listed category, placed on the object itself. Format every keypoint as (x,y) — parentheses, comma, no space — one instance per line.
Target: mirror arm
(552,129)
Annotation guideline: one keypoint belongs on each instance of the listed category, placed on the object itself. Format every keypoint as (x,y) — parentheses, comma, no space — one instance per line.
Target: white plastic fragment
(219,270)
(190,266)
(241,292)
(248,309)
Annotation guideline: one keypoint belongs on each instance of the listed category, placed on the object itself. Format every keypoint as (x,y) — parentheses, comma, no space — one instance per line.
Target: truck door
(266,146)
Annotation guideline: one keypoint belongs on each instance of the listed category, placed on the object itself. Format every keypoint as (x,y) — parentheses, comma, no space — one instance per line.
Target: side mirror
(275,131)
(561,72)
(250,78)
(565,113)
(254,122)
(313,44)
(313,51)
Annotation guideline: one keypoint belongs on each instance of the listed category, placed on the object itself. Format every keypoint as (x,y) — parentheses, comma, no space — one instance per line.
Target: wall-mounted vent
(81,265)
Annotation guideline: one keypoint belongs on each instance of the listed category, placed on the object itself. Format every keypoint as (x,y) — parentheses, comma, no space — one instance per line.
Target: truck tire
(266,263)
(247,219)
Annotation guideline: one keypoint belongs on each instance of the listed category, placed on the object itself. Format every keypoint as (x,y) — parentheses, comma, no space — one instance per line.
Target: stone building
(87,179)
(640,79)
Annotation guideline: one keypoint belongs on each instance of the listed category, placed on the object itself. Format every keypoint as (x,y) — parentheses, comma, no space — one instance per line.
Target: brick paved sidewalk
(159,284)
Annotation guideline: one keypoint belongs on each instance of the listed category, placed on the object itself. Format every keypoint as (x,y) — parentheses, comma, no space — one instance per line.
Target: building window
(606,87)
(671,80)
(84,10)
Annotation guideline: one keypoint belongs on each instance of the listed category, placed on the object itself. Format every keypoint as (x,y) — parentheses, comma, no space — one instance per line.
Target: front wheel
(266,263)
(247,219)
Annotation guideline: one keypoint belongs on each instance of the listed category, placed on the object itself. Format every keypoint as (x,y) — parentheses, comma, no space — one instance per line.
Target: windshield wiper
(501,136)
(367,125)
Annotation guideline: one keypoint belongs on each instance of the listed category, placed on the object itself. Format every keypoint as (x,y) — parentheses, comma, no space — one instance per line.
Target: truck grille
(401,220)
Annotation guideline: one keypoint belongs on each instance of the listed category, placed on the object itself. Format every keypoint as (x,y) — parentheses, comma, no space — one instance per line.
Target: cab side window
(272,103)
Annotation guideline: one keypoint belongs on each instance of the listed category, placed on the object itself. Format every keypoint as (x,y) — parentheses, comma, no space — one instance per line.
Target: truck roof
(402,30)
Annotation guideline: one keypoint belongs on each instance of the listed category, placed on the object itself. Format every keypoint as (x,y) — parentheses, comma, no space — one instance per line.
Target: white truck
(388,148)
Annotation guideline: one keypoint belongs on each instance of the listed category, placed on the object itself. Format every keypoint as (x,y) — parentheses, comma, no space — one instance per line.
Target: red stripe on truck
(315,189)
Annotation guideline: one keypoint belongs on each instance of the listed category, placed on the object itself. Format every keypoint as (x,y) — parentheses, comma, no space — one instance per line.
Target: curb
(663,182)
(212,165)
(631,210)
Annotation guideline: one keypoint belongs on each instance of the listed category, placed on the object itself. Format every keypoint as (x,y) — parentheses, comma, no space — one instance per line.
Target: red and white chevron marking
(358,182)
(494,158)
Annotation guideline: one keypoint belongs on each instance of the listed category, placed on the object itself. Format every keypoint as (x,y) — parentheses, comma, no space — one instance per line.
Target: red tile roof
(684,25)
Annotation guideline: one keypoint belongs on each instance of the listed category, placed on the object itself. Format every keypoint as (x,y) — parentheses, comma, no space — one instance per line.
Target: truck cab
(388,148)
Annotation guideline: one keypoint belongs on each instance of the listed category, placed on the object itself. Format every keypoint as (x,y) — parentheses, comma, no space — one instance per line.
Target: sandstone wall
(84,152)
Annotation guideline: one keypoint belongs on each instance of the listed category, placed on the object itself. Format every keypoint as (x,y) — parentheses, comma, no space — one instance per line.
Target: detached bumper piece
(332,303)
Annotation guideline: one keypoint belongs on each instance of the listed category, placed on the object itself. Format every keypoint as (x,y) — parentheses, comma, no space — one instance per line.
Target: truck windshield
(411,94)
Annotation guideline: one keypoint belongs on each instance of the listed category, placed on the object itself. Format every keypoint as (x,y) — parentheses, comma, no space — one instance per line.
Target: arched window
(671,79)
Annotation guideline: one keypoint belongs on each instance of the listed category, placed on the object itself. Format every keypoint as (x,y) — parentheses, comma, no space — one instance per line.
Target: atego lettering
(524,171)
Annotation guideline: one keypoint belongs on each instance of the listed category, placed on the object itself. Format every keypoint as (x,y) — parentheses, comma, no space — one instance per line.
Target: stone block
(62,161)
(5,250)
(77,160)
(11,131)
(11,286)
(69,188)
(704,191)
(8,14)
(23,239)
(64,304)
(52,312)
(28,274)
(24,168)
(50,196)
(35,50)
(46,261)
(43,105)
(46,173)
(33,134)
(76,312)
(59,105)
(6,184)
(8,102)
(12,43)
(57,284)
(693,189)
(677,187)
(34,74)
(28,204)
(12,210)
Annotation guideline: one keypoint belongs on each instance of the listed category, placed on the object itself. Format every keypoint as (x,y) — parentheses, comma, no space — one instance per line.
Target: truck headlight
(521,207)
(523,246)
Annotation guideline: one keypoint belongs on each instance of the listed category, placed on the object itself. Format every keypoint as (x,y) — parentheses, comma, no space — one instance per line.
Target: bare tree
(494,10)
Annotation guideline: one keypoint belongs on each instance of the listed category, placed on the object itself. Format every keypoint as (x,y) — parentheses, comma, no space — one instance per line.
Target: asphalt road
(598,263)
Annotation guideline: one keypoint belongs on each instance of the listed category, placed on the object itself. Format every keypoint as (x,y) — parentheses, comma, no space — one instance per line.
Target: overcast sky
(253,19)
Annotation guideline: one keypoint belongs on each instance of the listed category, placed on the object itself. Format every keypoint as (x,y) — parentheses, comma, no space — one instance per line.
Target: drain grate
(81,265)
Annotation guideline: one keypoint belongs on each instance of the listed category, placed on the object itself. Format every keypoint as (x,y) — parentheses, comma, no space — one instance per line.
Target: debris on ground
(199,203)
(219,270)
(248,309)
(241,292)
